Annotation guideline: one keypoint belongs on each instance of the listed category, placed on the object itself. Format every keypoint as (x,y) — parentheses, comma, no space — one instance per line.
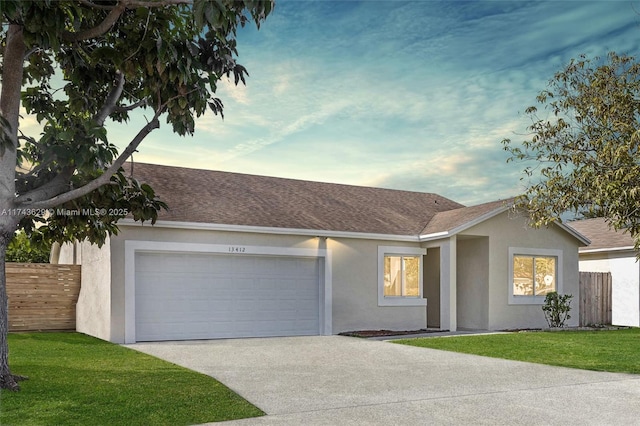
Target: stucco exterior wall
(69,254)
(473,283)
(354,275)
(93,309)
(625,289)
(507,230)
(355,289)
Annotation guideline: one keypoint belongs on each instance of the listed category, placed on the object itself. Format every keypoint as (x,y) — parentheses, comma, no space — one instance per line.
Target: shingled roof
(601,235)
(452,220)
(207,196)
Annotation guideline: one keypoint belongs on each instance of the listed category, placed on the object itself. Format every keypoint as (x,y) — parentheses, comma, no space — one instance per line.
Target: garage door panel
(201,296)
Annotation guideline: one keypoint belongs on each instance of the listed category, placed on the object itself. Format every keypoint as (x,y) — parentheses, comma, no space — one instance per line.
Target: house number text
(236,249)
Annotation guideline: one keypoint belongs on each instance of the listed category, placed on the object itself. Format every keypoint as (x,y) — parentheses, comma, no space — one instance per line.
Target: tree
(79,65)
(585,153)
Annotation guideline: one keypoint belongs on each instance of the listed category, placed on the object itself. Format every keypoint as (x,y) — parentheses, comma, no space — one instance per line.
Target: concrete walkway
(335,380)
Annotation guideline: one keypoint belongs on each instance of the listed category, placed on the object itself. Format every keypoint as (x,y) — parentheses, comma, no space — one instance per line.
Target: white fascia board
(434,236)
(464,226)
(603,250)
(270,230)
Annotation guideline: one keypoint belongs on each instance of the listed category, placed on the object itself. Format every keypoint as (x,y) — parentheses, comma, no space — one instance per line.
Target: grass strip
(75,379)
(611,350)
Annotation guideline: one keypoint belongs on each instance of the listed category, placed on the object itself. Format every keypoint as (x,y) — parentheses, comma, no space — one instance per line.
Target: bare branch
(111,101)
(96,6)
(141,102)
(101,28)
(30,52)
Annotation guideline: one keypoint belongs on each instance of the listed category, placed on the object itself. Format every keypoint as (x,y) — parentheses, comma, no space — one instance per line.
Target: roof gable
(456,220)
(451,222)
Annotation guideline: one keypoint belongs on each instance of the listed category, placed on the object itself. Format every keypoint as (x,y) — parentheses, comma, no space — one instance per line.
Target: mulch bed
(596,327)
(385,333)
(382,333)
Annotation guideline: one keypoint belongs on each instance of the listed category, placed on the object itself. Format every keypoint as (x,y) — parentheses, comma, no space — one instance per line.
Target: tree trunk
(12,75)
(7,380)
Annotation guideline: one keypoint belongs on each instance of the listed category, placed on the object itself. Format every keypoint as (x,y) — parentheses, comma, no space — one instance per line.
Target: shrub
(22,249)
(556,308)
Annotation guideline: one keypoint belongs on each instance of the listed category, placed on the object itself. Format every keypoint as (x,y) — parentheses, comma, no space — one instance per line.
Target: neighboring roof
(205,196)
(602,236)
(453,221)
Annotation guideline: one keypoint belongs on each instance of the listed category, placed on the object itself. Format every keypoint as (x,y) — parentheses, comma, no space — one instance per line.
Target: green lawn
(76,379)
(611,350)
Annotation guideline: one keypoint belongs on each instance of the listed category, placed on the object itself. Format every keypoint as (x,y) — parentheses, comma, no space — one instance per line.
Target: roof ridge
(314,182)
(241,199)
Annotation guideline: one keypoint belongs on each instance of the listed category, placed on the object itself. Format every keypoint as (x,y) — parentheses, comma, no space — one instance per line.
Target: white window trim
(533,300)
(399,300)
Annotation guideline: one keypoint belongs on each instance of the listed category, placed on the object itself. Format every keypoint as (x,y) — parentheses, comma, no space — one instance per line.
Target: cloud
(409,95)
(287,129)
(239,93)
(29,124)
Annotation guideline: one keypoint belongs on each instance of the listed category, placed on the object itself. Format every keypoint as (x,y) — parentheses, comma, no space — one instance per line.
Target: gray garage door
(182,296)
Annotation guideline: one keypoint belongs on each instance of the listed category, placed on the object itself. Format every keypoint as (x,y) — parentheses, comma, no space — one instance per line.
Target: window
(400,276)
(533,273)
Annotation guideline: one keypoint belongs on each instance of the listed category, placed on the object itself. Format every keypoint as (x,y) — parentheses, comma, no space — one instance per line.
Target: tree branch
(141,102)
(36,199)
(114,15)
(30,52)
(58,184)
(96,6)
(34,171)
(110,104)
(101,28)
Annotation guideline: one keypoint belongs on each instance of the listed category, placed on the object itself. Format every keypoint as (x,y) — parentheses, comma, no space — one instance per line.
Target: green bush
(556,308)
(22,249)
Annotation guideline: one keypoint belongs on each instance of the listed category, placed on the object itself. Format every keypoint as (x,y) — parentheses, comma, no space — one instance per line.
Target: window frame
(385,251)
(533,252)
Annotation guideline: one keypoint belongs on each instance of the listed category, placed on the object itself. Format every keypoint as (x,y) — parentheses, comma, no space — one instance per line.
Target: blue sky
(407,95)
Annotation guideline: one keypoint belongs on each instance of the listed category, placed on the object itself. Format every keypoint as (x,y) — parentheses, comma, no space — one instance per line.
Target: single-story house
(239,255)
(612,251)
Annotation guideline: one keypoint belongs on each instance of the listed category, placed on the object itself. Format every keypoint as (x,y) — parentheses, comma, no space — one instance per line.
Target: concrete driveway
(331,380)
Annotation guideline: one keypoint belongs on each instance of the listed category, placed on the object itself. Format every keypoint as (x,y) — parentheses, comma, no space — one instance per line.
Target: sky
(411,95)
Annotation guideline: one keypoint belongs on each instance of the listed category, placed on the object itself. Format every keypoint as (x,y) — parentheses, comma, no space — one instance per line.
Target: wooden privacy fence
(595,298)
(42,296)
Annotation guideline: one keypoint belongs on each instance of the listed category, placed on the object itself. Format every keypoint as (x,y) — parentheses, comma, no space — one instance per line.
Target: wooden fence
(42,296)
(595,298)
